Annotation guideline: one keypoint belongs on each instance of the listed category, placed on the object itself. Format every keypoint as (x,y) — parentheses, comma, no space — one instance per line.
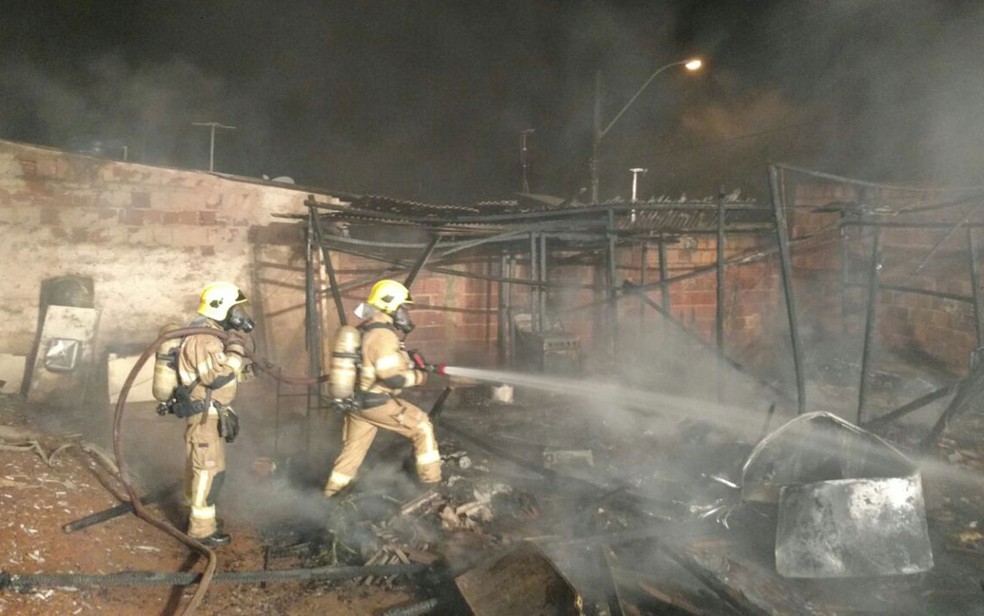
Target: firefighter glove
(421,364)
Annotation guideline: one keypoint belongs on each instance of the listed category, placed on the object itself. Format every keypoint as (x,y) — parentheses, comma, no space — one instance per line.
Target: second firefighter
(386,369)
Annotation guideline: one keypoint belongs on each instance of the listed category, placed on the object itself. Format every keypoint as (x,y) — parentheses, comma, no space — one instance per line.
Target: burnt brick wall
(935,330)
(150,238)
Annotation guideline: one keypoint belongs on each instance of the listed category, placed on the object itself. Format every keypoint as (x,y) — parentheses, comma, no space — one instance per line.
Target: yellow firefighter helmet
(388,295)
(218,298)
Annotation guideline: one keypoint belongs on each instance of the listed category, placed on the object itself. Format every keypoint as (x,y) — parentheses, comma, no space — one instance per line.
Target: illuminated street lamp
(691,65)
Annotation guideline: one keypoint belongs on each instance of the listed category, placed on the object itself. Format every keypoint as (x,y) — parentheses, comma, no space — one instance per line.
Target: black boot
(215,540)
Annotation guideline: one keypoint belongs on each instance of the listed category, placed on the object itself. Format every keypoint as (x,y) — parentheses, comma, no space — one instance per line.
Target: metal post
(541,290)
(845,271)
(510,324)
(664,287)
(523,159)
(501,338)
(719,312)
(644,263)
(975,285)
(612,276)
(595,139)
(336,293)
(782,234)
(312,324)
(421,261)
(719,296)
(534,288)
(211,144)
(869,324)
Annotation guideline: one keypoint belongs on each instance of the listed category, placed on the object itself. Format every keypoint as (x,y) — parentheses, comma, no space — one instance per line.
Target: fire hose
(28,582)
(135,498)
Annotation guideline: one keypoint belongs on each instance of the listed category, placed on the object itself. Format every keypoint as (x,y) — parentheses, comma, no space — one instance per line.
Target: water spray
(732,418)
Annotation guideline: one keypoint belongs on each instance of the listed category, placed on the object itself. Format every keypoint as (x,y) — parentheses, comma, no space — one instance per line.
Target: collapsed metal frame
(871,218)
(586,230)
(596,226)
(583,231)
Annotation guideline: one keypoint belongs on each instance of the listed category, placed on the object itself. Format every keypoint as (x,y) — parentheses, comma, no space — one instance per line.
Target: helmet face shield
(401,320)
(238,319)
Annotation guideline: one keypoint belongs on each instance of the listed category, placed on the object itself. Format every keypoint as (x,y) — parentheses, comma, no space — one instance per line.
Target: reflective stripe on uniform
(234,361)
(428,430)
(204,366)
(203,513)
(201,489)
(388,361)
(339,479)
(429,458)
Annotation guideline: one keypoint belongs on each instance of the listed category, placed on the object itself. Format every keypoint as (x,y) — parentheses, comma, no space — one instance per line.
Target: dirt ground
(38,498)
(43,487)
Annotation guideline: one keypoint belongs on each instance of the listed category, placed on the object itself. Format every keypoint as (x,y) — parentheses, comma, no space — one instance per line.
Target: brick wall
(936,330)
(149,238)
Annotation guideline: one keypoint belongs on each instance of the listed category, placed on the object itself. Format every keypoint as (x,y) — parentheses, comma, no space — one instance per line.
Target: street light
(691,64)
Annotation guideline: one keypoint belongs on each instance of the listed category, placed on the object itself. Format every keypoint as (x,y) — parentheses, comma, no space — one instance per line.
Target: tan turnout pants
(360,429)
(205,459)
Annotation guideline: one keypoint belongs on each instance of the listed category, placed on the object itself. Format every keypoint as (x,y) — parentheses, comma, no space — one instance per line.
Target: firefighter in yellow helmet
(385,371)
(211,369)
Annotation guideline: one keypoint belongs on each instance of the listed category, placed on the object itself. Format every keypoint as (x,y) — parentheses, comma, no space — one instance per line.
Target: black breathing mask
(401,320)
(238,319)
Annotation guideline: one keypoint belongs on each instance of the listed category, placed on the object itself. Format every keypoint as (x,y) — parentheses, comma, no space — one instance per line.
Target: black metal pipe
(452,272)
(643,269)
(915,291)
(534,290)
(541,292)
(117,511)
(592,211)
(908,225)
(847,180)
(330,269)
(719,286)
(782,234)
(501,332)
(939,243)
(421,260)
(909,407)
(612,282)
(845,270)
(664,284)
(975,285)
(668,317)
(869,323)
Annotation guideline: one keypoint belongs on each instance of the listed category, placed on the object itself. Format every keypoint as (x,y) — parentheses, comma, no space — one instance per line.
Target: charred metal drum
(849,504)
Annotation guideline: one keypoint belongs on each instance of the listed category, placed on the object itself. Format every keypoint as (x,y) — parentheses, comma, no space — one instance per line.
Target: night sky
(427,100)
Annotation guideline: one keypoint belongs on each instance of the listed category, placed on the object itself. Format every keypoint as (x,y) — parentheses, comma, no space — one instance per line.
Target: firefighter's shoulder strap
(365,327)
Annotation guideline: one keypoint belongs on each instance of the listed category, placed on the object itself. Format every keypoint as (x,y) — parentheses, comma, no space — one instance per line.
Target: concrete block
(11,372)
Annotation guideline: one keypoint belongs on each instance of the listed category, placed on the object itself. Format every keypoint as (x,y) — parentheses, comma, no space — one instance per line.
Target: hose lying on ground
(29,582)
(414,609)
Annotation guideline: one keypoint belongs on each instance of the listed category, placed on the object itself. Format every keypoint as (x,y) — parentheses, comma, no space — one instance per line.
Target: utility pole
(596,135)
(523,159)
(211,147)
(599,132)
